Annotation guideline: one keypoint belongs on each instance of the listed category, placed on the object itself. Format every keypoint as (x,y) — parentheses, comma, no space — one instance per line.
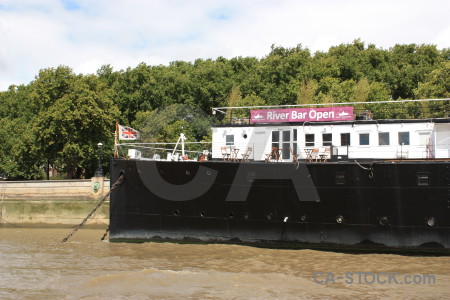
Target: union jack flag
(128,133)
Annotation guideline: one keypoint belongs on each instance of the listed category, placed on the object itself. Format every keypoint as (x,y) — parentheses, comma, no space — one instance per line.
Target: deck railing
(395,109)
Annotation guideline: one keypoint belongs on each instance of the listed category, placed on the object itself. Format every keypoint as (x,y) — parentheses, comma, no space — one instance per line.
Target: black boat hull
(380,206)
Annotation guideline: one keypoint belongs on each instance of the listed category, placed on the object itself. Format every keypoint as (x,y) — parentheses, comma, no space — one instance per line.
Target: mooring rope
(367,169)
(116,184)
(106,233)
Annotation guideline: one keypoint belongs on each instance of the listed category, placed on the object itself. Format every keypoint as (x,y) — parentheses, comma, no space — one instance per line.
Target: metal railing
(393,109)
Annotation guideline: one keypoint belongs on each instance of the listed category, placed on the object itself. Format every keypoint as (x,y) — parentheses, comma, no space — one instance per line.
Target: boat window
(383,138)
(364,139)
(286,135)
(285,153)
(423,179)
(424,138)
(309,140)
(345,139)
(403,138)
(276,139)
(229,138)
(340,178)
(326,138)
(294,140)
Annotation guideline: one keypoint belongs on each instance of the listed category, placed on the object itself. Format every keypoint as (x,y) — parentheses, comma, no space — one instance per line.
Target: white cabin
(358,139)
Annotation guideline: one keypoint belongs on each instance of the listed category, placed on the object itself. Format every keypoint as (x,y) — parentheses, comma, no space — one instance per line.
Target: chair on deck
(246,155)
(225,153)
(314,155)
(294,156)
(324,155)
(273,155)
(234,154)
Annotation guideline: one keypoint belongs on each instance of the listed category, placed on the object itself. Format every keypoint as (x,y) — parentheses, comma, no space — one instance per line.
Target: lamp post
(99,171)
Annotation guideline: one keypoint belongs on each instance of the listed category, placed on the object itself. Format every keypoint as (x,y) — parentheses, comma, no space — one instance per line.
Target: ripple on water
(36,265)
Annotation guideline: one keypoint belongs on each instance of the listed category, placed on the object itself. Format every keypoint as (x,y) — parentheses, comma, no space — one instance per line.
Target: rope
(116,184)
(106,233)
(367,169)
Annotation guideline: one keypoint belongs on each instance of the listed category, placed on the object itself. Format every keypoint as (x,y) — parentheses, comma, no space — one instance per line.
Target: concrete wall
(53,203)
(52,213)
(54,189)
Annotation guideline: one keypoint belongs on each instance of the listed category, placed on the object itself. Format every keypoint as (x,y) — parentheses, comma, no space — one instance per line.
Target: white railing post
(182,137)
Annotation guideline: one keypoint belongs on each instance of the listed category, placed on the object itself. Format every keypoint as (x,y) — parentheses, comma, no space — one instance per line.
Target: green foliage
(347,72)
(70,127)
(241,114)
(307,92)
(436,83)
(166,124)
(19,158)
(67,115)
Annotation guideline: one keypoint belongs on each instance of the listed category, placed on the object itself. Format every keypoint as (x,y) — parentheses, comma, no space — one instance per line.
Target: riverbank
(53,203)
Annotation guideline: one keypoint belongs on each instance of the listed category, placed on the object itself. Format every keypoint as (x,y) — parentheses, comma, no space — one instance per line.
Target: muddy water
(35,265)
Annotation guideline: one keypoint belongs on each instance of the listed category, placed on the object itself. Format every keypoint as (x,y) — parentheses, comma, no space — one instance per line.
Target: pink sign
(302,114)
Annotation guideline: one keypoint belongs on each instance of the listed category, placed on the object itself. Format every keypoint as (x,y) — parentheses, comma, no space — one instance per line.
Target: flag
(128,133)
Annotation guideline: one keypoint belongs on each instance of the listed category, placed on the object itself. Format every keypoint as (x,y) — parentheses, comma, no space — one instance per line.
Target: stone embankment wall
(53,202)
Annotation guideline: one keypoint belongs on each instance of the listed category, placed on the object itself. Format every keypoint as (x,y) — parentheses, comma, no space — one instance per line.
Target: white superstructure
(382,139)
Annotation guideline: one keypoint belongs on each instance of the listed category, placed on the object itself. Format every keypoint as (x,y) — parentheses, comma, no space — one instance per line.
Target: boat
(298,176)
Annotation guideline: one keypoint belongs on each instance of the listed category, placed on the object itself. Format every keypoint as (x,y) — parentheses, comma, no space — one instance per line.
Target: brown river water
(36,265)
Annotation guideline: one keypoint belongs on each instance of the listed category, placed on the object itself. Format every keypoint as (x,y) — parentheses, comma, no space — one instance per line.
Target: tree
(436,84)
(280,72)
(350,59)
(409,65)
(235,97)
(19,158)
(362,90)
(73,114)
(307,92)
(378,91)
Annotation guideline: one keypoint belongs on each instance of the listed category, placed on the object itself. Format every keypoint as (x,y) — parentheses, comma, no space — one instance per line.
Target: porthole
(431,221)
(340,178)
(423,179)
(384,220)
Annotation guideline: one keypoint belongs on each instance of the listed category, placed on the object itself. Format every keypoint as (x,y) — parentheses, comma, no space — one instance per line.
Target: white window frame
(359,138)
